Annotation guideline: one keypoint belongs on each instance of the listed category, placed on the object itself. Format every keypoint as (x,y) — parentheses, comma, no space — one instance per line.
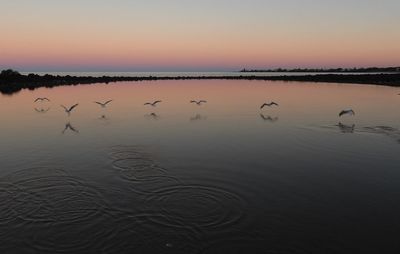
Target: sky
(188,35)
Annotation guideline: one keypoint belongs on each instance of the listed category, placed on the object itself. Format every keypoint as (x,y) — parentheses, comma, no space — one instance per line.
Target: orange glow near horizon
(217,41)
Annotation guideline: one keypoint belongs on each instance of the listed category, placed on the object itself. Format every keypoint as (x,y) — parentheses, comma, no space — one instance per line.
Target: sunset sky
(188,35)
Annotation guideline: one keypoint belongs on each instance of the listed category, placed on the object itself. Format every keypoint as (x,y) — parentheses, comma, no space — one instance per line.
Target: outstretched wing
(72,107)
(262,106)
(108,102)
(101,104)
(193,101)
(73,129)
(342,112)
(154,103)
(274,103)
(202,101)
(147,103)
(38,99)
(46,99)
(64,107)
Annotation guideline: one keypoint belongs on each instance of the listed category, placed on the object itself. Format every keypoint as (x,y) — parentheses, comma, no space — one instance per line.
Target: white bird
(69,110)
(103,105)
(42,99)
(269,104)
(152,104)
(347,112)
(198,102)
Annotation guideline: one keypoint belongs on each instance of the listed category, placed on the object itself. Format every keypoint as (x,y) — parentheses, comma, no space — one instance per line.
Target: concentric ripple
(137,167)
(138,234)
(198,206)
(48,195)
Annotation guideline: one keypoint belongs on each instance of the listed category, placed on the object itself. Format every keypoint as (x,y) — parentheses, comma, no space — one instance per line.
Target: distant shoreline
(330,70)
(12,82)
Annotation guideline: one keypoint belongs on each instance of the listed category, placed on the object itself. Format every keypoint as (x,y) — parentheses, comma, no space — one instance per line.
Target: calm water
(224,177)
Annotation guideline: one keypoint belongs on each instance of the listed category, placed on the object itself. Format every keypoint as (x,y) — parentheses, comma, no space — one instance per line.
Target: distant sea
(186,74)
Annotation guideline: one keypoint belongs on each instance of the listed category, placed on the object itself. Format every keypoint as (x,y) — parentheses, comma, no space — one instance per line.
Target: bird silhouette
(103,105)
(68,126)
(269,118)
(347,112)
(269,104)
(198,102)
(153,104)
(69,110)
(41,99)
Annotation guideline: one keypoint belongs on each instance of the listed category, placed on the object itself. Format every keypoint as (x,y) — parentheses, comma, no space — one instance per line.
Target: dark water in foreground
(225,177)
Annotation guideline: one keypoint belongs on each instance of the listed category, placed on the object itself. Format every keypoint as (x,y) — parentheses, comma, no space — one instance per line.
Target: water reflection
(103,117)
(269,118)
(68,126)
(152,116)
(227,185)
(42,110)
(346,128)
(198,117)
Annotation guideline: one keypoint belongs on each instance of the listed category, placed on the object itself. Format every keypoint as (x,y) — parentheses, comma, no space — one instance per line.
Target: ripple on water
(200,207)
(138,234)
(48,195)
(134,165)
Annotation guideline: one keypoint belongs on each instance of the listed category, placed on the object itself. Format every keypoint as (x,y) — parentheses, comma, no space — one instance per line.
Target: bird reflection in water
(346,128)
(152,116)
(198,117)
(269,118)
(42,110)
(68,126)
(103,118)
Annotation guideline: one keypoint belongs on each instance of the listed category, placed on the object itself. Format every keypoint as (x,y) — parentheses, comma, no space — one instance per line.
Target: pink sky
(68,35)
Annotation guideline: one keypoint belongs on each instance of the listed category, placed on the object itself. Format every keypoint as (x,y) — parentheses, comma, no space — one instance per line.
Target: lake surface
(224,177)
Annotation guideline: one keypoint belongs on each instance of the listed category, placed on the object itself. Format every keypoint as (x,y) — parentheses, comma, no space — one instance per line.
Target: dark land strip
(13,82)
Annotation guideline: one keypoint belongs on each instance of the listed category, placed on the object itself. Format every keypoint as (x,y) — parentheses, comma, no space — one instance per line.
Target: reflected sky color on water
(223,177)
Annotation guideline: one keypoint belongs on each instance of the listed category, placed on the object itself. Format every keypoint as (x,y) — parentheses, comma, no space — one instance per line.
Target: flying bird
(347,112)
(269,104)
(152,104)
(69,110)
(103,105)
(198,102)
(42,99)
